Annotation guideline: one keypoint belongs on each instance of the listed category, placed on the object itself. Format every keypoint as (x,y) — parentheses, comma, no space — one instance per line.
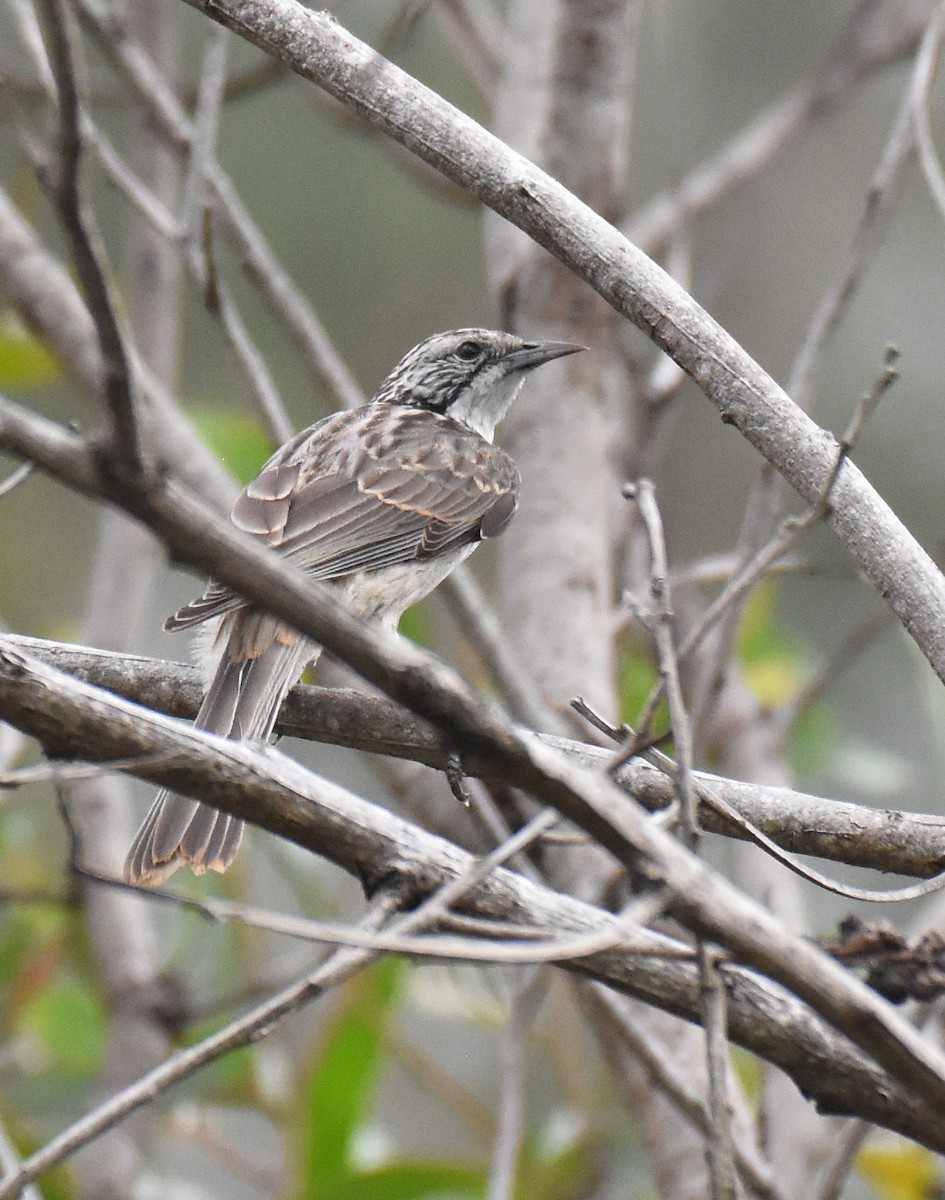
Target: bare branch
(118,386)
(241,1032)
(859,52)
(269,789)
(47,300)
(476,30)
(140,74)
(719,1143)
(900,842)
(17,476)
(877,210)
(704,901)
(676,1085)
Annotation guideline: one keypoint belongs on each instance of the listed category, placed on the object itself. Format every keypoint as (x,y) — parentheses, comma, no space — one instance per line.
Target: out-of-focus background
(387,253)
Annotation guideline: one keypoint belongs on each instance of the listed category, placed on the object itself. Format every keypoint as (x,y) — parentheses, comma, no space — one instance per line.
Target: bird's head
(471,375)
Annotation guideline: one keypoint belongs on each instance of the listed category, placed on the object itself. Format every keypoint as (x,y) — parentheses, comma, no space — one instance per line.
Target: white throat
(482,410)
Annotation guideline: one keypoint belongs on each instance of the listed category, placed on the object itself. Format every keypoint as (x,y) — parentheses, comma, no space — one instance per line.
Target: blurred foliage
(636,677)
(751,1073)
(338,1095)
(415,625)
(342,1077)
(338,1113)
(775,670)
(25,361)
(900,1170)
(65,1022)
(236,438)
(770,658)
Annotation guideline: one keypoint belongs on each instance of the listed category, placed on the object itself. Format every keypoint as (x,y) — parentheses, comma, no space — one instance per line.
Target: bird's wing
(358,497)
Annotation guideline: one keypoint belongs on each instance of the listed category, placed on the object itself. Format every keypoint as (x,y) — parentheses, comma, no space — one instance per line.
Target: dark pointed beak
(533,354)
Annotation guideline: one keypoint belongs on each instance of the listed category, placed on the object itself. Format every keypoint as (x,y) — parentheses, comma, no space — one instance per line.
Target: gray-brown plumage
(383,501)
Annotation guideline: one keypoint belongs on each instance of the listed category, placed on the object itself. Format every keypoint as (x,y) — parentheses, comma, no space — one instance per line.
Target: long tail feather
(242,702)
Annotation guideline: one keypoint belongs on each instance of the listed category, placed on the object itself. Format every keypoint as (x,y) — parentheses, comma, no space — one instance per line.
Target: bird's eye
(468,351)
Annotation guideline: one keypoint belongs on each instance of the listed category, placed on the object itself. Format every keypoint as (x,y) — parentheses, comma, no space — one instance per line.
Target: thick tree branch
(267,788)
(906,843)
(698,896)
(702,900)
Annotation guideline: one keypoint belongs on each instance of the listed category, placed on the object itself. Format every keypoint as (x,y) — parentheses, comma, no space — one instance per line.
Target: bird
(381,502)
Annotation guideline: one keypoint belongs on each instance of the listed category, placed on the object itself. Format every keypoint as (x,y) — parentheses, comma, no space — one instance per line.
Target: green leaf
(235,438)
(770,661)
(415,626)
(340,1091)
(813,739)
(636,676)
(774,671)
(27,934)
(67,1019)
(557,1163)
(410,1181)
(750,1072)
(25,361)
(58,1182)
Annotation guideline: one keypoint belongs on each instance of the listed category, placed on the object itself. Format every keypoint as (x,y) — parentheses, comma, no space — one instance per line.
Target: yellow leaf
(899,1170)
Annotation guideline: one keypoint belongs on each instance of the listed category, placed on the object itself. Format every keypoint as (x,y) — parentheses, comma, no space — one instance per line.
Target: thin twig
(118,387)
(31,36)
(9,1161)
(500,945)
(476,31)
(17,476)
(851,1142)
(712,1000)
(841,658)
(484,632)
(249,1028)
(70,772)
(719,1144)
(139,74)
(203,138)
(874,219)
(748,828)
(789,532)
(528,993)
(252,1026)
(854,57)
(196,229)
(368,841)
(644,496)
(903,842)
(675,1085)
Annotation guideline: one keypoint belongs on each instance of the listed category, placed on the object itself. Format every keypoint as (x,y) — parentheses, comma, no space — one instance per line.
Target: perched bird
(382,502)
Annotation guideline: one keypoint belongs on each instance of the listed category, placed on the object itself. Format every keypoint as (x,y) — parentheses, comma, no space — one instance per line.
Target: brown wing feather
(352,494)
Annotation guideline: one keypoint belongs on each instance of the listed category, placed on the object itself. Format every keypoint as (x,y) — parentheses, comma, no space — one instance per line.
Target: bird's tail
(242,702)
